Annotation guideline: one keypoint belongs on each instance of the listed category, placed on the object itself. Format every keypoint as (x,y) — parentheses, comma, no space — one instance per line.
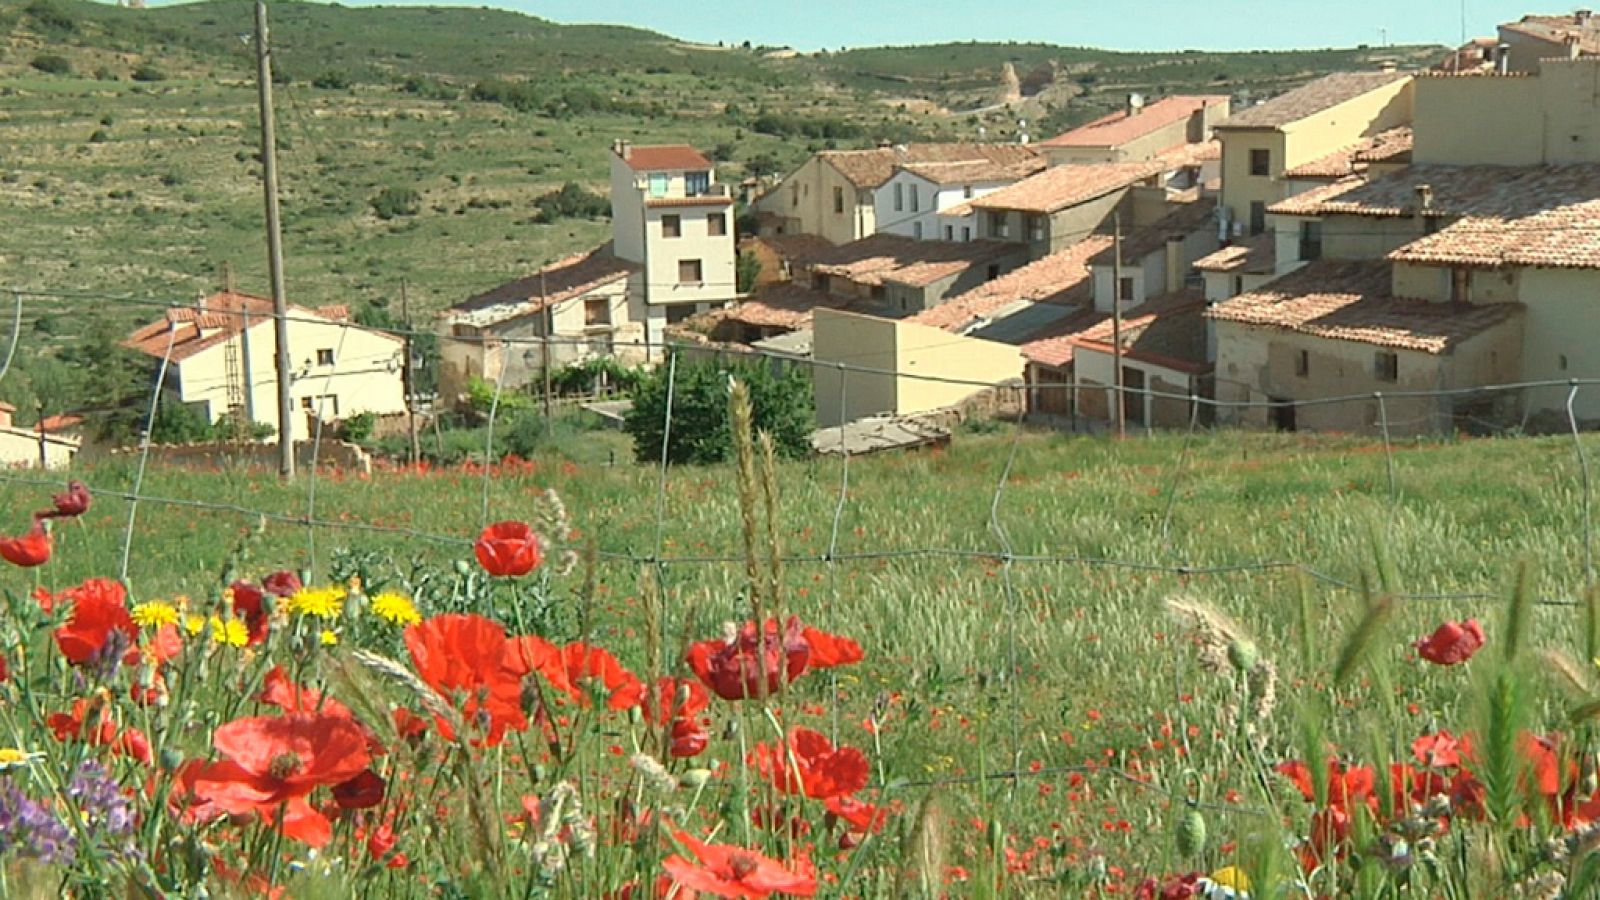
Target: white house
(29,447)
(910,202)
(222,354)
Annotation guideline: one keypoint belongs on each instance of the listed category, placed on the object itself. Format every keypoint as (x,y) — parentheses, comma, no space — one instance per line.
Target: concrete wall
(1239,187)
(1562,319)
(1095,374)
(1062,229)
(1357,237)
(1434,283)
(19,449)
(255,454)
(627,211)
(921,350)
(1552,117)
(931,198)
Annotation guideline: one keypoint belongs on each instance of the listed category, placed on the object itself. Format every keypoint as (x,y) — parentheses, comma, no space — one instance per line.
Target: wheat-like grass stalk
(1573,675)
(924,852)
(1358,645)
(405,678)
(741,414)
(1212,623)
(1519,613)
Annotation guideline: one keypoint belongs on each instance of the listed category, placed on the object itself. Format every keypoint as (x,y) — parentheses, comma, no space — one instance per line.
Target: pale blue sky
(1129,24)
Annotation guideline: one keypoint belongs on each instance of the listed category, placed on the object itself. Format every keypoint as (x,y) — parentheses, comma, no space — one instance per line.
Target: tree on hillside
(701,432)
(116,382)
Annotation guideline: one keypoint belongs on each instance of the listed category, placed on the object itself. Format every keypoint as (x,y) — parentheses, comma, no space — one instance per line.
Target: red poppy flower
(676,704)
(594,668)
(744,666)
(1451,643)
(829,650)
(28,550)
(724,871)
(271,763)
(70,726)
(465,655)
(819,770)
(379,845)
(858,814)
(531,654)
(72,502)
(99,610)
(249,604)
(5,669)
(507,549)
(277,690)
(282,583)
(1437,751)
(689,738)
(361,792)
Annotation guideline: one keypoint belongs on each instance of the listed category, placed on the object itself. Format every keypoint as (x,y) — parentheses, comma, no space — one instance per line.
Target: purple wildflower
(30,830)
(108,816)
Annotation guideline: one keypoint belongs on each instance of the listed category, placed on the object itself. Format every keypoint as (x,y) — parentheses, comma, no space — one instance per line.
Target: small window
(994,271)
(1125,289)
(689,271)
(716,224)
(1238,285)
(658,184)
(597,311)
(325,356)
(949,232)
(696,183)
(915,202)
(998,226)
(1258,217)
(966,232)
(1460,285)
(899,197)
(879,291)
(794,195)
(1260,161)
(1386,367)
(1310,241)
(671,226)
(677,312)
(1302,363)
(966,191)
(1036,228)
(1430,224)
(1561,362)
(838,200)
(916,230)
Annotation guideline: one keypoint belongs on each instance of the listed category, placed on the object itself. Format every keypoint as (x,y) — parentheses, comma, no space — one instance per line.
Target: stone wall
(253,454)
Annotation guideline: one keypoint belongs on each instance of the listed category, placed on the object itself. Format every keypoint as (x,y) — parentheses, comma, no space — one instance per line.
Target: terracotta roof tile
(1141,242)
(1192,154)
(560,281)
(1254,255)
(1556,30)
(193,330)
(1123,126)
(1059,187)
(884,257)
(1351,301)
(1168,330)
(781,305)
(796,249)
(1054,344)
(700,200)
(1385,146)
(1308,100)
(1061,278)
(967,171)
(871,168)
(665,157)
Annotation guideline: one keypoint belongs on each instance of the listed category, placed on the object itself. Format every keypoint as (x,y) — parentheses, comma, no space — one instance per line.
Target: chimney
(1425,197)
(1387,66)
(1574,45)
(622,148)
(1502,58)
(1581,17)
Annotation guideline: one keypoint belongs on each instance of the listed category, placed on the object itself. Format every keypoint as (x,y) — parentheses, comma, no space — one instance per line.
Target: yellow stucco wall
(1239,187)
(921,350)
(807,197)
(1562,319)
(1551,117)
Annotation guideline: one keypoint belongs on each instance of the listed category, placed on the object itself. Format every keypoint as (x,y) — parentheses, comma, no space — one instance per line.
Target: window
(1310,240)
(1238,285)
(1260,161)
(325,356)
(322,406)
(1036,228)
(1125,289)
(671,226)
(689,271)
(966,232)
(949,232)
(1386,367)
(677,312)
(998,226)
(658,184)
(1302,363)
(1460,285)
(794,195)
(716,224)
(994,271)
(600,344)
(899,197)
(596,311)
(1258,217)
(696,183)
(966,191)
(915,203)
(879,291)
(838,200)
(916,230)
(1430,224)
(1561,362)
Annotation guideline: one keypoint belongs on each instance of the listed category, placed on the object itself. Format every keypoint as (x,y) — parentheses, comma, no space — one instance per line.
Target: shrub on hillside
(701,432)
(331,80)
(394,202)
(148,72)
(50,18)
(51,64)
(572,201)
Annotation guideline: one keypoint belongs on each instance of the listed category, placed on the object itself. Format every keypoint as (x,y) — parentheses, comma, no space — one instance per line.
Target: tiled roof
(1557,29)
(1123,126)
(57,423)
(1385,146)
(871,168)
(1191,154)
(1059,187)
(1350,300)
(1166,330)
(884,257)
(1254,255)
(967,171)
(560,281)
(1308,100)
(1061,277)
(220,317)
(1563,238)
(1181,222)
(782,305)
(665,157)
(1476,55)
(700,200)
(796,249)
(1053,345)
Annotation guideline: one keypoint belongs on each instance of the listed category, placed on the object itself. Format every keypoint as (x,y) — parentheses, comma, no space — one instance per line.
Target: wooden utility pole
(44,453)
(409,376)
(1119,404)
(544,347)
(280,305)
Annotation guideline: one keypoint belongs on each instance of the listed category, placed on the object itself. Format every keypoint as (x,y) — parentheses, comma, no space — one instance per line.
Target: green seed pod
(1191,833)
(1243,654)
(695,778)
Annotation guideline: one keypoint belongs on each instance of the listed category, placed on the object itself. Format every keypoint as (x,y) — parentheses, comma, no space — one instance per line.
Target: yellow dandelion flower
(154,614)
(13,758)
(1231,877)
(329,637)
(395,609)
(194,624)
(229,631)
(324,602)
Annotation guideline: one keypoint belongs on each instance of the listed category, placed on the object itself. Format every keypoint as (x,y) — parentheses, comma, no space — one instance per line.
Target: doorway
(1282,413)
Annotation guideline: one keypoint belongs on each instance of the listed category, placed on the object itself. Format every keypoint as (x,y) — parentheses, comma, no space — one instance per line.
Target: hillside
(128,139)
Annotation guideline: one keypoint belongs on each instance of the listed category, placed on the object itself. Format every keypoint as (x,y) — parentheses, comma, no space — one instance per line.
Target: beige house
(22,448)
(589,304)
(222,361)
(835,193)
(1140,131)
(906,276)
(1061,206)
(1164,363)
(1524,45)
(1261,143)
(896,352)
(1157,258)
